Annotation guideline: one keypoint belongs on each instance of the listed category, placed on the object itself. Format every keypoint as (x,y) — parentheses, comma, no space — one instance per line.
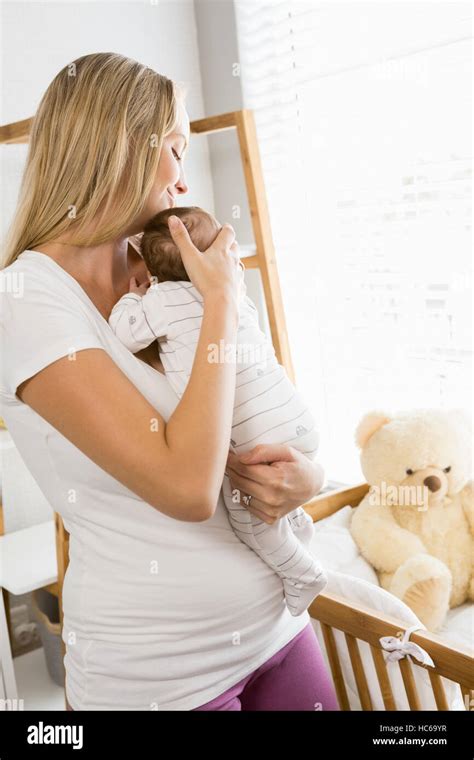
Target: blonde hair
(94,151)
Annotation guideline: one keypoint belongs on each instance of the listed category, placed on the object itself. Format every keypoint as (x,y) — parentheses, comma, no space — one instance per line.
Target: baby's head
(160,252)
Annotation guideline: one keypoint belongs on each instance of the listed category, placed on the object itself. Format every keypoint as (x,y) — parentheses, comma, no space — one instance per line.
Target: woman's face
(170,181)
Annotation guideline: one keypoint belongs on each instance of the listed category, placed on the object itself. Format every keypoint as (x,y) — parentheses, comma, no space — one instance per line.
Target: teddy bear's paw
(429,600)
(424,584)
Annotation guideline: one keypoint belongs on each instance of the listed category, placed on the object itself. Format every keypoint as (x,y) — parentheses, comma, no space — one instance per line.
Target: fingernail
(173,222)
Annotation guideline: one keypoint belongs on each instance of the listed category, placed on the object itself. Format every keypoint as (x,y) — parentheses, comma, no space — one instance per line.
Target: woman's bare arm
(177,466)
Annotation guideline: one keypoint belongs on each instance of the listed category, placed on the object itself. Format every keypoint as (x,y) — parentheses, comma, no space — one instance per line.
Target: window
(363,114)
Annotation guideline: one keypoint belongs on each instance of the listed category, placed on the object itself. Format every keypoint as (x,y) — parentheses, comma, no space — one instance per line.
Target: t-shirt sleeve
(39,325)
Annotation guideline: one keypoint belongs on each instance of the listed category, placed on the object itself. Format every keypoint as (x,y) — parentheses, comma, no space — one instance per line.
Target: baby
(267,407)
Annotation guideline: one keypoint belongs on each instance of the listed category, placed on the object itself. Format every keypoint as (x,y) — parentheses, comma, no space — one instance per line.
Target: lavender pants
(295,678)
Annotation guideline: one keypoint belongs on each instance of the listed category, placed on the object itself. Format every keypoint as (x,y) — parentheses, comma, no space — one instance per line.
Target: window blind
(363,114)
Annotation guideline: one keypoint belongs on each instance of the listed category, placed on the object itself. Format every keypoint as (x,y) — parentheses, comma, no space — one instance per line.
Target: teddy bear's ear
(369,425)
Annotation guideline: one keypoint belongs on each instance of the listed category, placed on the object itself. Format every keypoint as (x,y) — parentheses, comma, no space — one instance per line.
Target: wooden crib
(362,624)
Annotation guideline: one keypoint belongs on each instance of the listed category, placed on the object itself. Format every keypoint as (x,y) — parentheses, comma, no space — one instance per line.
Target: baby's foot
(302,525)
(299,596)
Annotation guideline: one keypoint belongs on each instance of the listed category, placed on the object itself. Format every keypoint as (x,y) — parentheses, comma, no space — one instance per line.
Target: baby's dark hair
(160,252)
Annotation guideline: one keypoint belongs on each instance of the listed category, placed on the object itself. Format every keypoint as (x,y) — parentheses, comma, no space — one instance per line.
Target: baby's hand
(140,290)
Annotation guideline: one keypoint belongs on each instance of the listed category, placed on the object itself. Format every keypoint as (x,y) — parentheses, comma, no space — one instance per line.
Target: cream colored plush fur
(417,527)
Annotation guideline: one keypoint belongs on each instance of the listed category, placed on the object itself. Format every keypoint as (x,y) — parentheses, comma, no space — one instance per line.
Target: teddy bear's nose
(432,482)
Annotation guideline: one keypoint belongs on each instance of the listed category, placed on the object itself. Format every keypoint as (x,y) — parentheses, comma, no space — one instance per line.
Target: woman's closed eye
(178,158)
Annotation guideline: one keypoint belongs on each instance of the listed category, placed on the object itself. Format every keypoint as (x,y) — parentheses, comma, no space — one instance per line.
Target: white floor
(35,685)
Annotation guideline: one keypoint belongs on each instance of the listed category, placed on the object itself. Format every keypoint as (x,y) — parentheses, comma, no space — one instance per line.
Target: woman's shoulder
(29,273)
(42,317)
(35,281)
(36,264)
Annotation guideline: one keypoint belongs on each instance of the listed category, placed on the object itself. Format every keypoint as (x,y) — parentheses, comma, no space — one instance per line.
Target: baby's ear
(369,425)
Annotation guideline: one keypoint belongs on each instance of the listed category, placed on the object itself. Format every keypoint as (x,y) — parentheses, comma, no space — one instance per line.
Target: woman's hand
(216,270)
(279,478)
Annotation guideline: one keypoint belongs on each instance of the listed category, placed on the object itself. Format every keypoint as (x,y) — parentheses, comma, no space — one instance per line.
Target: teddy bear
(416,523)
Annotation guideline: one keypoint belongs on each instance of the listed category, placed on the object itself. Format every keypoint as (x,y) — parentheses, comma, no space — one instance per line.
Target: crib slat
(468,696)
(384,680)
(336,670)
(409,683)
(359,674)
(438,690)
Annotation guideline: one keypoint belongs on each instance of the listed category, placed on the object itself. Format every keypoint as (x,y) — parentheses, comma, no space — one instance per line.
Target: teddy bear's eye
(447,469)
(409,472)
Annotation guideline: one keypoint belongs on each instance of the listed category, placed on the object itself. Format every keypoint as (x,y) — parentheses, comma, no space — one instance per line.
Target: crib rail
(324,504)
(358,623)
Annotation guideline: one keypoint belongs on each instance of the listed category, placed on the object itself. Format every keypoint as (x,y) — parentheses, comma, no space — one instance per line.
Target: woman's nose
(181,185)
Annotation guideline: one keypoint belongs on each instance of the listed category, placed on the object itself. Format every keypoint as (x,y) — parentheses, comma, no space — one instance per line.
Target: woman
(164,608)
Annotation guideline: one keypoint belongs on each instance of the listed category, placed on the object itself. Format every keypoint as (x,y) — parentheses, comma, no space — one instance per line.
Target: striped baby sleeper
(267,409)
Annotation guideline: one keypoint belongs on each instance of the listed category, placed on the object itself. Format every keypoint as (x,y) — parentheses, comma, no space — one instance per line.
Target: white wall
(222,91)
(39,38)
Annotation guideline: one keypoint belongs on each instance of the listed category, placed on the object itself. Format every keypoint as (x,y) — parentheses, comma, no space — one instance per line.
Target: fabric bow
(400,646)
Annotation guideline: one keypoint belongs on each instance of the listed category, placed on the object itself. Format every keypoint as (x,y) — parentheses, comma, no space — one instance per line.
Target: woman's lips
(171,198)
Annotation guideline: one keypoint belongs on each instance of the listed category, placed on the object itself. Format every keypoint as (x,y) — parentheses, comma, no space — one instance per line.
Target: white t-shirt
(158,613)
